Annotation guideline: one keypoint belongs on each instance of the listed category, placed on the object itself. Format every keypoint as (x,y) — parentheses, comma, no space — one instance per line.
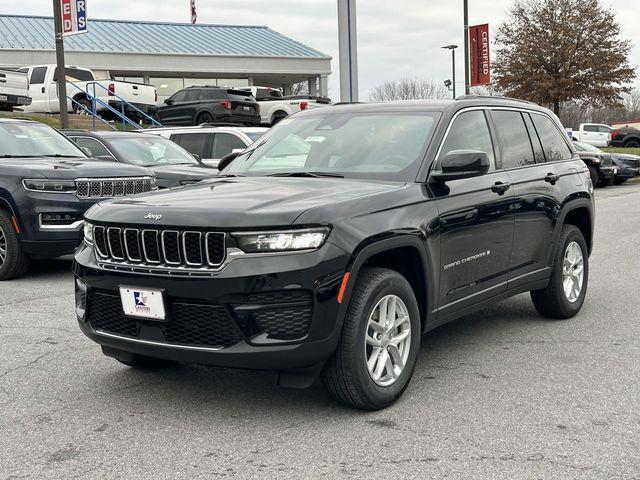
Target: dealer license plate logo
(142,303)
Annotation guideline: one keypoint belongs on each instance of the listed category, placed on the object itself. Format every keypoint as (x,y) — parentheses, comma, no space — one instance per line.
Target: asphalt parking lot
(499,394)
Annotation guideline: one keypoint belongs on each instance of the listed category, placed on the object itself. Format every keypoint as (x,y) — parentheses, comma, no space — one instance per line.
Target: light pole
(62,77)
(453,66)
(348,48)
(465,6)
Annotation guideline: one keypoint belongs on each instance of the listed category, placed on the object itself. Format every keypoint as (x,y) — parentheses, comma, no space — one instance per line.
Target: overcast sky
(400,38)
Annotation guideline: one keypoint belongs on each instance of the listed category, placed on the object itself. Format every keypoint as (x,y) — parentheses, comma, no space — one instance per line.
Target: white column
(348,48)
(324,86)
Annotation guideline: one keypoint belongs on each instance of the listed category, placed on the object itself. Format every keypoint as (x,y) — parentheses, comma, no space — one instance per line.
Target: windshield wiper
(8,155)
(307,174)
(59,155)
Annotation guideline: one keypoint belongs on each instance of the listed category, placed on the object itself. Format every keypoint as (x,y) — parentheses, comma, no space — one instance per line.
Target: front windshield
(35,140)
(380,145)
(151,151)
(585,147)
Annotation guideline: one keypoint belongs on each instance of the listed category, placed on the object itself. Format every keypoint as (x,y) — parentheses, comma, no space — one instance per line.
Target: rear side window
(74,75)
(193,143)
(514,139)
(225,143)
(604,129)
(591,128)
(469,132)
(37,75)
(553,142)
(211,94)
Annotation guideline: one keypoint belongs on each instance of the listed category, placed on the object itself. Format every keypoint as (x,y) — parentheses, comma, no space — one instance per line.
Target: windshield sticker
(315,139)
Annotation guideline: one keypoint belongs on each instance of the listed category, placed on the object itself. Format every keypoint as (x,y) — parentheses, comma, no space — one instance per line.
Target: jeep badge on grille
(153,216)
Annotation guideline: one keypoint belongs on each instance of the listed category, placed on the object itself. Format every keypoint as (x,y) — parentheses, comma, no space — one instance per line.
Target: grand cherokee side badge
(153,216)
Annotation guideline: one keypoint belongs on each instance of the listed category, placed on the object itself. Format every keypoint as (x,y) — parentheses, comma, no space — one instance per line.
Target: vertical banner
(479,55)
(74,17)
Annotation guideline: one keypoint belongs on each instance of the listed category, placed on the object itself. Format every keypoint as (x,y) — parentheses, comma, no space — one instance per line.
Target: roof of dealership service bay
(147,49)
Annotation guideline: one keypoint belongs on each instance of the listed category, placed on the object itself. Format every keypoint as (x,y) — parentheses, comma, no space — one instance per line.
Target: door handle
(43,89)
(551,178)
(500,187)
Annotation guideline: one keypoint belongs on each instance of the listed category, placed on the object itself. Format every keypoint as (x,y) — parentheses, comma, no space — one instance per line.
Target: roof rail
(222,124)
(496,97)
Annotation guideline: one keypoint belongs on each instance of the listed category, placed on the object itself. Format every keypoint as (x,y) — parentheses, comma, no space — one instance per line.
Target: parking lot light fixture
(453,66)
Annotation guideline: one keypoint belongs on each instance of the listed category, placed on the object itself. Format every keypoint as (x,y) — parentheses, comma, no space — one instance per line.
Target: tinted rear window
(75,75)
(514,139)
(211,94)
(553,141)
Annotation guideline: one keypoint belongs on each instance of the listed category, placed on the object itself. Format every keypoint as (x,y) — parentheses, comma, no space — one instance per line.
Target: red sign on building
(479,53)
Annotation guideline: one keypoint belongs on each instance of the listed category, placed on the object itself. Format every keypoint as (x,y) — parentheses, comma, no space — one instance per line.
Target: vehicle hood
(68,168)
(244,202)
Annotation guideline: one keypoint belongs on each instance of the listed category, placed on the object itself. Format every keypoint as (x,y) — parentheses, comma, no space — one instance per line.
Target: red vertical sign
(479,55)
(67,17)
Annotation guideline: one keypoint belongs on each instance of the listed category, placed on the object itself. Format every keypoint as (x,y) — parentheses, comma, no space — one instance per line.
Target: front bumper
(38,238)
(267,313)
(606,173)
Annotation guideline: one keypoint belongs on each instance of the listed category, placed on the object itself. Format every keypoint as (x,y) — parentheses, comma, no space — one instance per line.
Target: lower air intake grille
(193,324)
(284,315)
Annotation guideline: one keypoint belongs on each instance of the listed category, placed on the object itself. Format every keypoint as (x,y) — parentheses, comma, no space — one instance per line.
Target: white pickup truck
(274,106)
(14,90)
(596,134)
(43,89)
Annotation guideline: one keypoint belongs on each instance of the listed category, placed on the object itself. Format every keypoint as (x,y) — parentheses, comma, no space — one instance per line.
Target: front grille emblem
(153,216)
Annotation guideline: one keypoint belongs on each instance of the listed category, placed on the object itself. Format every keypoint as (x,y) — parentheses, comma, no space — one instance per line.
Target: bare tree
(300,88)
(553,51)
(409,89)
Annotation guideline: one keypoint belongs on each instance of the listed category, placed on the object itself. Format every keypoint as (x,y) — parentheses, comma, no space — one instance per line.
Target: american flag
(194,15)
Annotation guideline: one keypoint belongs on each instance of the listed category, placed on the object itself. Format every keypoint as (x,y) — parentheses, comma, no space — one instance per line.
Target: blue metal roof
(21,32)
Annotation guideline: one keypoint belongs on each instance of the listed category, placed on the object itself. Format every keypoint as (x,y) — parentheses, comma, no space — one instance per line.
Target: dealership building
(170,56)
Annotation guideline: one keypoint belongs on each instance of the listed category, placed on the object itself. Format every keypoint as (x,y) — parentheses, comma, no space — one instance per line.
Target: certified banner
(479,55)
(74,17)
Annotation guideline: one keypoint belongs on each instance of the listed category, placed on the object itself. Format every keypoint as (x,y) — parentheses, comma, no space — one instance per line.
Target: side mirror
(197,157)
(459,164)
(168,101)
(226,160)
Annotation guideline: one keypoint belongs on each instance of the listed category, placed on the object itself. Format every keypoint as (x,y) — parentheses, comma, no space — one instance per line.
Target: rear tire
(554,301)
(632,144)
(79,110)
(13,261)
(364,349)
(204,118)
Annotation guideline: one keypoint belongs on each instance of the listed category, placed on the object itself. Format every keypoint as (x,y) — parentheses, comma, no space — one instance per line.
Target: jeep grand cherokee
(333,243)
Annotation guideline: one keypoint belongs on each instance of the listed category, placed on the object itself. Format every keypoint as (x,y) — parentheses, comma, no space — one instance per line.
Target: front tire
(564,296)
(378,349)
(13,261)
(204,118)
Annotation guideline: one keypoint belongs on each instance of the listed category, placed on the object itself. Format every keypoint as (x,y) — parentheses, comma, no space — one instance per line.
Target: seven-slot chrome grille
(112,187)
(180,249)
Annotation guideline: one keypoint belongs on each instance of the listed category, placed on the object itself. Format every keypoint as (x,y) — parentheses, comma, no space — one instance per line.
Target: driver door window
(469,131)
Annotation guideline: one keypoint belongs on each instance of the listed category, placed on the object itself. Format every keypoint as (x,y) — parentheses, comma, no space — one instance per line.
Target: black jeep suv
(46,185)
(333,243)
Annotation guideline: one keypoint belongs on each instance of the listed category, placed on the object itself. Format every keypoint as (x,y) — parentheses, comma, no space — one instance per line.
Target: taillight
(304,105)
(156,96)
(112,89)
(226,104)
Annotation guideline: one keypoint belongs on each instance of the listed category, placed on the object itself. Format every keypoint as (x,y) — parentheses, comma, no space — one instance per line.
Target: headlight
(88,232)
(51,186)
(282,241)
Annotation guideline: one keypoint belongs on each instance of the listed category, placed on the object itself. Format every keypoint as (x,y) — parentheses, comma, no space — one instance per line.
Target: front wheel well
(408,262)
(581,218)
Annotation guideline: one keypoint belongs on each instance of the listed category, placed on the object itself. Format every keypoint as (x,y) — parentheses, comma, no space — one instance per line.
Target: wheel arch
(404,254)
(279,113)
(580,214)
